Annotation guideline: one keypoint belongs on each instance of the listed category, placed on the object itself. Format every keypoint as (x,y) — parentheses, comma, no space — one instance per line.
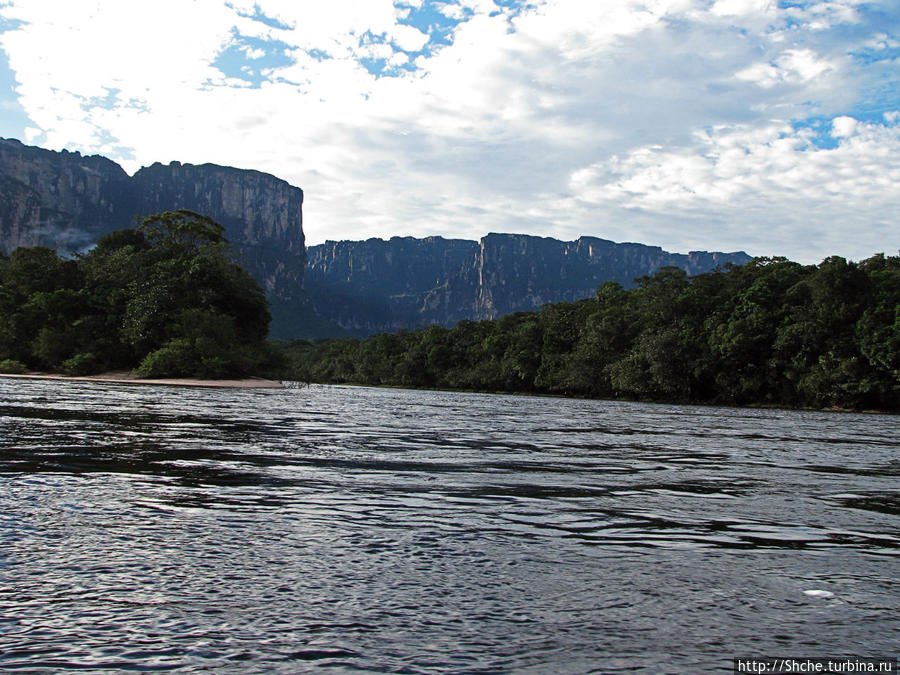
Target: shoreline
(574,397)
(126,377)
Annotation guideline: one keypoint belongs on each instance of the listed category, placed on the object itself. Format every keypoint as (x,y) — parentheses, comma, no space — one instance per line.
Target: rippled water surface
(389,531)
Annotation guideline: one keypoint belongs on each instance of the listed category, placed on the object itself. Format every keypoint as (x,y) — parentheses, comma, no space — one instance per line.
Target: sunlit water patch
(368,530)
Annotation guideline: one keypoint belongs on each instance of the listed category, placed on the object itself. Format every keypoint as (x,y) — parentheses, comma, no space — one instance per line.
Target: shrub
(12,367)
(215,367)
(176,358)
(82,364)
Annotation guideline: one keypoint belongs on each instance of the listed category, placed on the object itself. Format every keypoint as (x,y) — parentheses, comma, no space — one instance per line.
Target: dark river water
(389,531)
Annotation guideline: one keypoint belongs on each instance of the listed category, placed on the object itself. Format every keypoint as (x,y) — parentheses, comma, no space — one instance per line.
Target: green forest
(169,299)
(164,299)
(771,332)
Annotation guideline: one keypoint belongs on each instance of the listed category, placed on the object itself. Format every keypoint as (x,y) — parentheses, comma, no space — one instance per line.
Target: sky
(755,125)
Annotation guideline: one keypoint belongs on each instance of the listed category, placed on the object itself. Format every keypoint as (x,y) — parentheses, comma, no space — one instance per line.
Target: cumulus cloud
(793,66)
(771,183)
(684,123)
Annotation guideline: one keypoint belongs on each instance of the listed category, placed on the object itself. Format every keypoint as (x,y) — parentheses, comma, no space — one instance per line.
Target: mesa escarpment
(67,201)
(59,199)
(262,215)
(373,286)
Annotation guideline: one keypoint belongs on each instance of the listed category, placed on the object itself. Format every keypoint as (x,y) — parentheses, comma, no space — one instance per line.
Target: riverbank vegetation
(166,299)
(769,332)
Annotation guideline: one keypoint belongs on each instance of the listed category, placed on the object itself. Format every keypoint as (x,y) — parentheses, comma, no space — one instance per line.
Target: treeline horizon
(169,299)
(770,332)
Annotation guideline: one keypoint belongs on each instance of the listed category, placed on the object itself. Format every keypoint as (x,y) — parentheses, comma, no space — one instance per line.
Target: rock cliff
(59,199)
(67,201)
(372,286)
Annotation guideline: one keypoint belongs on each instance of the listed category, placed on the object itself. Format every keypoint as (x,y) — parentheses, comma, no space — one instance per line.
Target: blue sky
(772,127)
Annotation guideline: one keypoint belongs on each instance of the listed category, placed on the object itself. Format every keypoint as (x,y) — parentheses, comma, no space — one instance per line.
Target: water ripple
(422,532)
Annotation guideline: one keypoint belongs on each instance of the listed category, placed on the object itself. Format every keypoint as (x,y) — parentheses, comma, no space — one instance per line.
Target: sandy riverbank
(129,378)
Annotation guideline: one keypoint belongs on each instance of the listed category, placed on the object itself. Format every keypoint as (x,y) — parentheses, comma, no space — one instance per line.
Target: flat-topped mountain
(375,285)
(67,201)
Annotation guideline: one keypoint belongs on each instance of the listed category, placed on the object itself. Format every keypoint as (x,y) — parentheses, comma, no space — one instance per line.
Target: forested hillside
(768,332)
(166,299)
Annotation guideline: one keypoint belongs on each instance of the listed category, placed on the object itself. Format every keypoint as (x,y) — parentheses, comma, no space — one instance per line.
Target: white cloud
(452,10)
(803,65)
(254,53)
(743,7)
(842,127)
(770,183)
(823,15)
(793,66)
(882,41)
(398,59)
(663,121)
(408,38)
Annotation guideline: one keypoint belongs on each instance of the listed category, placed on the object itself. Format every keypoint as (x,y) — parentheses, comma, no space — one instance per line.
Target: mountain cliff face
(519,272)
(67,201)
(262,215)
(372,286)
(59,199)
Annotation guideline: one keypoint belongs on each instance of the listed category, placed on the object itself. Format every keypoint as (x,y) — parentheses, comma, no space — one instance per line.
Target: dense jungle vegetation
(164,299)
(769,332)
(168,299)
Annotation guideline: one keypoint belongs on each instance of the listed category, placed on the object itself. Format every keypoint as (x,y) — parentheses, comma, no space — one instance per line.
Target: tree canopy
(166,299)
(768,332)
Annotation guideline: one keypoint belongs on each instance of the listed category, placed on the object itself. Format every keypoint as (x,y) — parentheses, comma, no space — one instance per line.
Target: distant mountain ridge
(67,201)
(372,286)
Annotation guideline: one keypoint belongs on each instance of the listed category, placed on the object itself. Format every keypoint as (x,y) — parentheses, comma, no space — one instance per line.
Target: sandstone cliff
(59,199)
(67,201)
(262,215)
(372,286)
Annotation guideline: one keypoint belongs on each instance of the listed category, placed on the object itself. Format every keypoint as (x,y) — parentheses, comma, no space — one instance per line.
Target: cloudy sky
(771,127)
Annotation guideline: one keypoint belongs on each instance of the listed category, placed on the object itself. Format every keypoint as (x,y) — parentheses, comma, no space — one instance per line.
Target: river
(391,531)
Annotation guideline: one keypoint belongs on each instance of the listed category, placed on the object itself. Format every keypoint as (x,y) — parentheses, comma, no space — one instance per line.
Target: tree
(167,298)
(193,300)
(39,300)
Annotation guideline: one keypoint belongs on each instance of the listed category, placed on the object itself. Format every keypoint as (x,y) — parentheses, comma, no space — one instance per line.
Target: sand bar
(126,377)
